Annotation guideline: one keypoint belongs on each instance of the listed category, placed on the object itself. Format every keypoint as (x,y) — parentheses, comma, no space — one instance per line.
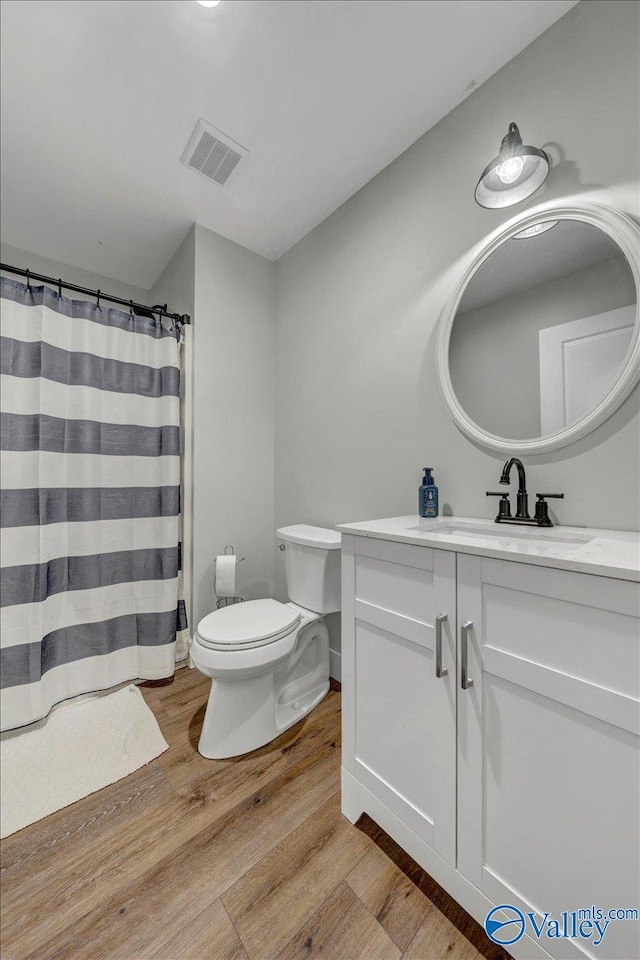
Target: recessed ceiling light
(208,3)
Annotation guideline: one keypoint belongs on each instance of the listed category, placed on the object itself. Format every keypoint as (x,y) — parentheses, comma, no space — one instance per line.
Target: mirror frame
(625,232)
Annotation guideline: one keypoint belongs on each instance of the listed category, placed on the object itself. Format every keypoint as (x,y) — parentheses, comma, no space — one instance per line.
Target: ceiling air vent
(212,153)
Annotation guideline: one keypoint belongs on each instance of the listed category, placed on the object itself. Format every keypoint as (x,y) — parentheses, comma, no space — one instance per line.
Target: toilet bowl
(269,661)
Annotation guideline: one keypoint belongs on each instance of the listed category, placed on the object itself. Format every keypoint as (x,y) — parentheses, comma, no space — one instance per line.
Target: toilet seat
(244,626)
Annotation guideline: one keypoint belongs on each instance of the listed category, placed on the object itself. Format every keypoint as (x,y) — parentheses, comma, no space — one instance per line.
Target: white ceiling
(99,98)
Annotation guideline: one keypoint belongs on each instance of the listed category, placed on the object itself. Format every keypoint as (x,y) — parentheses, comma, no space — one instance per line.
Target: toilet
(269,661)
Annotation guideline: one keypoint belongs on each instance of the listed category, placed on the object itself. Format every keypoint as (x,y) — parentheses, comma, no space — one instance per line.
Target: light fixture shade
(514,174)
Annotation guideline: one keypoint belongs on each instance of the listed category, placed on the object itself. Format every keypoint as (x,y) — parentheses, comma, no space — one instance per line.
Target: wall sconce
(514,174)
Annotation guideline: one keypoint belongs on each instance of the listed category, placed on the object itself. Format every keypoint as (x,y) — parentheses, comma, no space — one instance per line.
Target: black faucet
(522,497)
(541,517)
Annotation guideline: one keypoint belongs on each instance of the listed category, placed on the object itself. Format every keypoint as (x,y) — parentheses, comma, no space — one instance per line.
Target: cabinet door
(399,690)
(548,769)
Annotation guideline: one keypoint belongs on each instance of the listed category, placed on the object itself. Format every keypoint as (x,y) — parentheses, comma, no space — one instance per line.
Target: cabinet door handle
(440,671)
(465,681)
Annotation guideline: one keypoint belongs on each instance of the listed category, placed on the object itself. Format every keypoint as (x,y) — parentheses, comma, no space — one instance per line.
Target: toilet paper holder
(226,601)
(229,551)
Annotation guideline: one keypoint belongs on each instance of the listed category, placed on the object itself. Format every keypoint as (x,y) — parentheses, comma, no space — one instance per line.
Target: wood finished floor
(245,859)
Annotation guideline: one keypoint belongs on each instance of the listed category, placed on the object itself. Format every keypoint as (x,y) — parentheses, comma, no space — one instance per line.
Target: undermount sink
(502,531)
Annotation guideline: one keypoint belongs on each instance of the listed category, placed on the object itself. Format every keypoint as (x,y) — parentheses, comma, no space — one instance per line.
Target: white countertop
(605,553)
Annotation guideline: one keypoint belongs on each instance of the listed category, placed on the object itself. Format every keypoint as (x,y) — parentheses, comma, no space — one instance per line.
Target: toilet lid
(253,623)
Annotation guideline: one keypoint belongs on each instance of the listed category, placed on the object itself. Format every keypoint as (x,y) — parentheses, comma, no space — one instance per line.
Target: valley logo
(506,924)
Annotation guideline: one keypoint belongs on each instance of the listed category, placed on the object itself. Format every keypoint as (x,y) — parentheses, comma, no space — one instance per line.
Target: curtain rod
(140,308)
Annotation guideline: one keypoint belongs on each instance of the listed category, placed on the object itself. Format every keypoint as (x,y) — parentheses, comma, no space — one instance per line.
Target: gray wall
(495,354)
(228,410)
(233,377)
(84,278)
(358,410)
(176,284)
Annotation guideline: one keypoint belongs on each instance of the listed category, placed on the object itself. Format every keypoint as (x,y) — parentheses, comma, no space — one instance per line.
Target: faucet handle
(542,508)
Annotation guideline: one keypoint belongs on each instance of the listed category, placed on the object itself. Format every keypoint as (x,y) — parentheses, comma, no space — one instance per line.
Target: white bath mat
(78,749)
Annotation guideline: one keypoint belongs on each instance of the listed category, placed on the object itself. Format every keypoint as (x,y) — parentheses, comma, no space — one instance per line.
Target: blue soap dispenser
(428,495)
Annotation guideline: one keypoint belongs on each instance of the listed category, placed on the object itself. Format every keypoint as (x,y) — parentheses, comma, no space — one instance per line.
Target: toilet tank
(312,564)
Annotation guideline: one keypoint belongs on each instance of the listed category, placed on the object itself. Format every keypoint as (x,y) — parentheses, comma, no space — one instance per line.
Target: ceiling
(99,98)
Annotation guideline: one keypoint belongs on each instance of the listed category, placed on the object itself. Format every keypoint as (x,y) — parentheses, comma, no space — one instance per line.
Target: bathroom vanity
(491,671)
(491,714)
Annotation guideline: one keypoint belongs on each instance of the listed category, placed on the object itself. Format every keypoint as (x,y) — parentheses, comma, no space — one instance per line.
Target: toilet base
(244,714)
(289,713)
(229,730)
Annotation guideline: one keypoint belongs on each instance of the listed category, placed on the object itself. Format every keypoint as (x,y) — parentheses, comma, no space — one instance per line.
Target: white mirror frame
(625,232)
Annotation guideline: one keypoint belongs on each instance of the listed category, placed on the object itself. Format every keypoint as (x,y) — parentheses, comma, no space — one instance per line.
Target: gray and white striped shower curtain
(90,500)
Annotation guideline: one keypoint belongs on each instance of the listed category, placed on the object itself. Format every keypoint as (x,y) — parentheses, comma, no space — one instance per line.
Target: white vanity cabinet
(548,776)
(515,778)
(400,661)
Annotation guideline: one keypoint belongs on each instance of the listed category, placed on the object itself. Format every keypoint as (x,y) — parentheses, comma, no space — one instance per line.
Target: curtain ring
(98,298)
(28,280)
(60,288)
(131,308)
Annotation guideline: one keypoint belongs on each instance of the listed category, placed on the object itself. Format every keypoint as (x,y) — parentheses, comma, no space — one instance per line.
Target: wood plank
(190,688)
(270,902)
(151,690)
(342,928)
(457,915)
(397,903)
(182,762)
(65,889)
(210,936)
(193,872)
(65,832)
(438,938)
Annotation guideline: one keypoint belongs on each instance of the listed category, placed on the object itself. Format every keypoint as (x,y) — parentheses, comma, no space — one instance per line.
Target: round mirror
(539,342)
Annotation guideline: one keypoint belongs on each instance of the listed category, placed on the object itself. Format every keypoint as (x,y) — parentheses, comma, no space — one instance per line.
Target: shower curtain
(90,500)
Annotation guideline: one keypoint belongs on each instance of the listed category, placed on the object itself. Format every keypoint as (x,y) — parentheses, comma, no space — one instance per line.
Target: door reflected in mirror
(542,330)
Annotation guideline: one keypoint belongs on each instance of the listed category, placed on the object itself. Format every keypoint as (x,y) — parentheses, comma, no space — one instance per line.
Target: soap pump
(428,495)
